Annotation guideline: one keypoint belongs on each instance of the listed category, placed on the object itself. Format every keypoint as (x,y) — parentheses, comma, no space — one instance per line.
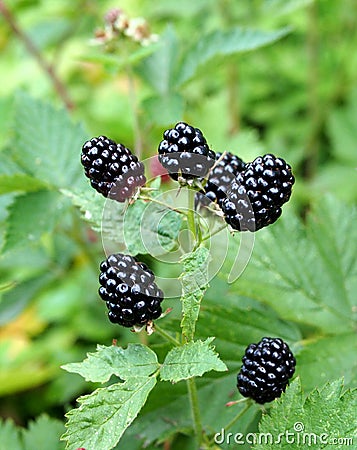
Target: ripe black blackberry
(184,153)
(128,287)
(266,370)
(112,169)
(255,197)
(220,178)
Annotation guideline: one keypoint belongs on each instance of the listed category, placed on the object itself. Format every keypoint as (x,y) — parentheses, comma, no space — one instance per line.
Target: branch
(33,50)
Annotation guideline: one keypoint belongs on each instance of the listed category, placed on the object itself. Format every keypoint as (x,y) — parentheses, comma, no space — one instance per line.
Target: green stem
(191,213)
(166,205)
(167,336)
(196,416)
(239,415)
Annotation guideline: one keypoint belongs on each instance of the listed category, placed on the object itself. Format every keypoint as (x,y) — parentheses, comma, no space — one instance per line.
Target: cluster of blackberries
(128,287)
(112,169)
(266,370)
(250,195)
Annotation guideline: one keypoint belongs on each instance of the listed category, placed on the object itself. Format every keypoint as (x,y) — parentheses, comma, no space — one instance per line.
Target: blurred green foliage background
(296,97)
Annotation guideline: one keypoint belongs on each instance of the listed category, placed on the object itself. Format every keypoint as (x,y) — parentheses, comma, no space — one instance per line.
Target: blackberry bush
(184,153)
(255,197)
(266,370)
(128,287)
(112,169)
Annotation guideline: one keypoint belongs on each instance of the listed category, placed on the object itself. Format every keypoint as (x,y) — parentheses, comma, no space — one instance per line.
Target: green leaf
(228,42)
(10,436)
(44,433)
(141,227)
(306,274)
(236,325)
(191,360)
(136,360)
(47,143)
(30,216)
(326,414)
(194,281)
(90,203)
(104,415)
(326,358)
(170,405)
(158,69)
(150,228)
(19,182)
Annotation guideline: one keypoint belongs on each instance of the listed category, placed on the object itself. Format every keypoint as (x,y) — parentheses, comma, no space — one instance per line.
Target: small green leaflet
(44,433)
(194,281)
(10,436)
(90,203)
(191,360)
(142,227)
(103,416)
(136,360)
(46,142)
(310,279)
(228,42)
(150,228)
(43,208)
(326,414)
(19,182)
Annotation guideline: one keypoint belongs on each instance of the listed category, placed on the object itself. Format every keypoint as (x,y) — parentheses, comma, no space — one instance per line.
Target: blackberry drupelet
(220,178)
(184,153)
(128,287)
(112,169)
(266,370)
(255,197)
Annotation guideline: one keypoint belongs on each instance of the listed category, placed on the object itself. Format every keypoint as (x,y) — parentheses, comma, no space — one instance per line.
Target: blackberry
(220,178)
(112,169)
(184,153)
(128,287)
(266,370)
(255,197)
